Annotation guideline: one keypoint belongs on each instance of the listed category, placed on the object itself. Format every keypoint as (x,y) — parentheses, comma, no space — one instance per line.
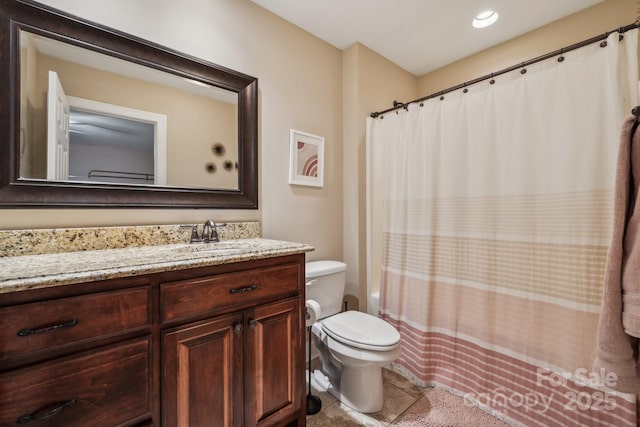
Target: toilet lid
(361,330)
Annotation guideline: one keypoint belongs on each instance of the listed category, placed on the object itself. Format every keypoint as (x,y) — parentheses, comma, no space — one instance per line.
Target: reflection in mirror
(90,117)
(101,70)
(105,148)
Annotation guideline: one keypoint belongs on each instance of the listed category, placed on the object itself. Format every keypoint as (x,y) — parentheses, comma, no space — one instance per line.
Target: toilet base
(352,382)
(361,388)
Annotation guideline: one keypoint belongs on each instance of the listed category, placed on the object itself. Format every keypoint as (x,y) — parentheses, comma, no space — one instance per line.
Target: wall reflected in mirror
(90,117)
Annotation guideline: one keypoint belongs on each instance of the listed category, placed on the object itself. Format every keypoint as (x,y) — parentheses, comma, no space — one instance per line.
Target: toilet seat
(361,330)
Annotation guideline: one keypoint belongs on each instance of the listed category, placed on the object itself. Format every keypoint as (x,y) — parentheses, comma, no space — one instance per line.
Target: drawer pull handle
(45,329)
(46,413)
(237,328)
(244,289)
(252,324)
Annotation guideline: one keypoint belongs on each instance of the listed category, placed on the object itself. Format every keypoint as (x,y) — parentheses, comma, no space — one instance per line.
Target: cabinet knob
(237,328)
(252,324)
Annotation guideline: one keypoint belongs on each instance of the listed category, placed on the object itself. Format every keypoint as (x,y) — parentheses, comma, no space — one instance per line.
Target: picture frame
(306,159)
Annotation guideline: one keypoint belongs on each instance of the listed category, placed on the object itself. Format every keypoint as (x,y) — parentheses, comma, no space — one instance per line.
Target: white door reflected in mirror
(57,130)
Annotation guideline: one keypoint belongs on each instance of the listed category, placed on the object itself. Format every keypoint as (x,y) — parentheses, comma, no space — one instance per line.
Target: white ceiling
(420,35)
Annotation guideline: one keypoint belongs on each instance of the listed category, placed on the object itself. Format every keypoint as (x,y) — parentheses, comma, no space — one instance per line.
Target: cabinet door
(273,371)
(202,378)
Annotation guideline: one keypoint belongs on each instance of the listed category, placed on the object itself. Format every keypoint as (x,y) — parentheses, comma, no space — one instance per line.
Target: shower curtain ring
(561,57)
(524,70)
(492,81)
(603,43)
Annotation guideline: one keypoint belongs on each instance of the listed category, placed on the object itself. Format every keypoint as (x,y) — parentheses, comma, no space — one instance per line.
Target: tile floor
(405,405)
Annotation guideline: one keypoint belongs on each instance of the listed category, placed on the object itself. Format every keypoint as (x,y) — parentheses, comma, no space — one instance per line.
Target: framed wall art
(306,166)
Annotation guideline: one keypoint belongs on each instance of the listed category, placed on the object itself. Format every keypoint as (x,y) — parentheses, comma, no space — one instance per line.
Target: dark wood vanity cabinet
(241,367)
(237,350)
(212,346)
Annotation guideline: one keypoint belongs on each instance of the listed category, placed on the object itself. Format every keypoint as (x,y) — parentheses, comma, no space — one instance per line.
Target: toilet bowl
(353,346)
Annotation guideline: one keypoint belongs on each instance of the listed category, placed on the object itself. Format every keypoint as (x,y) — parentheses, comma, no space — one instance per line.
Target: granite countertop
(19,273)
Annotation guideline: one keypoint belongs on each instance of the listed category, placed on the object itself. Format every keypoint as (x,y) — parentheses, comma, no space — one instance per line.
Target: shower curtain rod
(397,105)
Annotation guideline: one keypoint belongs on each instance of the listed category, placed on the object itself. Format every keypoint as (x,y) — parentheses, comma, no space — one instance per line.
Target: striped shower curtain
(496,214)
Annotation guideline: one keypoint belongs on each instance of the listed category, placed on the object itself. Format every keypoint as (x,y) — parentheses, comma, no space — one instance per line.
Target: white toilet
(353,346)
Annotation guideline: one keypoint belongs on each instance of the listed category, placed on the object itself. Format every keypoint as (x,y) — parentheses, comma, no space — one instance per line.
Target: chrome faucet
(210,232)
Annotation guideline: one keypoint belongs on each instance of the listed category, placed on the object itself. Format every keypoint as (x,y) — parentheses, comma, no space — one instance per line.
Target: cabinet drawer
(109,387)
(193,298)
(50,324)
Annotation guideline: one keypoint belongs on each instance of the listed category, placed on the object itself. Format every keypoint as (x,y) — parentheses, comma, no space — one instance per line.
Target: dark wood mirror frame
(16,15)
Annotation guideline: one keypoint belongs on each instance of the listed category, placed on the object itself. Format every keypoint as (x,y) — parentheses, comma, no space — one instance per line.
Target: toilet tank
(325,284)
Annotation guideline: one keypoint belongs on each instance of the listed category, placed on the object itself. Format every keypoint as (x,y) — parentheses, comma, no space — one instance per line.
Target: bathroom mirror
(99,118)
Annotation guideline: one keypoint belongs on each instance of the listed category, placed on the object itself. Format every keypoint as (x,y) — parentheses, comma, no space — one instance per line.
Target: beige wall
(32,161)
(300,87)
(591,22)
(370,83)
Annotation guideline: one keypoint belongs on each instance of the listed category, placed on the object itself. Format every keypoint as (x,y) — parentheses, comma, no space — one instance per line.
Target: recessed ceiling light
(485,19)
